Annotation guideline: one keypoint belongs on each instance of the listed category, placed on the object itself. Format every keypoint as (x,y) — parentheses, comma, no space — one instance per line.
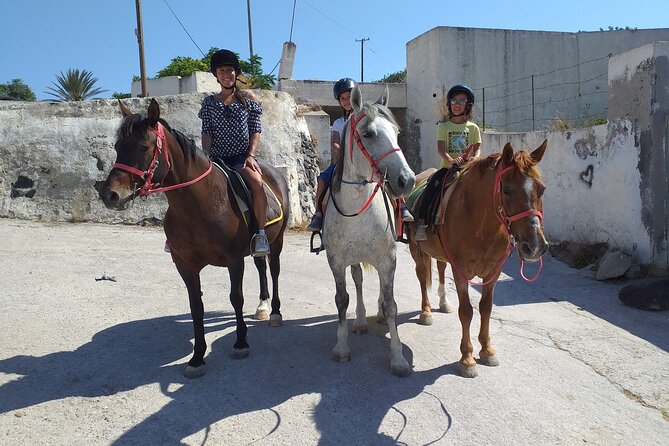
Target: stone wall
(52,156)
(610,183)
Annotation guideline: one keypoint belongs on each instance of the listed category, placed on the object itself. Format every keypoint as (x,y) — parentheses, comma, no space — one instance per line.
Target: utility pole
(362,57)
(140,42)
(248,9)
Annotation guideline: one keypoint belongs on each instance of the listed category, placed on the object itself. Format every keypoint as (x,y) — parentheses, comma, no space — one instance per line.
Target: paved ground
(100,362)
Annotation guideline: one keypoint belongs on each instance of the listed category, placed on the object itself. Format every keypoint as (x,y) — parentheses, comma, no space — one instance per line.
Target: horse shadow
(284,365)
(580,288)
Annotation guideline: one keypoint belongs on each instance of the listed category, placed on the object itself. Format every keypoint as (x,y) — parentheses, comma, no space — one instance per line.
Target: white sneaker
(260,245)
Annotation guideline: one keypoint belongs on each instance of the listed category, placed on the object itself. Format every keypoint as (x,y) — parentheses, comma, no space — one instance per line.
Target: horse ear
(507,154)
(356,99)
(538,153)
(154,113)
(125,111)
(383,99)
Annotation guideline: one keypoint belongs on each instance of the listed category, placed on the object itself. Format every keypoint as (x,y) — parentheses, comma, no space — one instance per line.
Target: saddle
(242,194)
(429,199)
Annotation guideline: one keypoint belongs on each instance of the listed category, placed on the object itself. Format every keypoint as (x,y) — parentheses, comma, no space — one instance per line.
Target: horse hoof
(275,320)
(240,353)
(425,319)
(491,361)
(262,315)
(467,371)
(360,329)
(400,372)
(195,372)
(446,308)
(341,358)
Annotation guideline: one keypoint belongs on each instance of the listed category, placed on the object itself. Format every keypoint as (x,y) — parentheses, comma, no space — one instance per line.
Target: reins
(372,162)
(149,187)
(505,220)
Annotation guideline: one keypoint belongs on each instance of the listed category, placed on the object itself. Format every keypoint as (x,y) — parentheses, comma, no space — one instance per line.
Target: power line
(184,28)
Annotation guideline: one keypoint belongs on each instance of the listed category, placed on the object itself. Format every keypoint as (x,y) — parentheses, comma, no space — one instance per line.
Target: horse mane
(372,111)
(137,124)
(522,159)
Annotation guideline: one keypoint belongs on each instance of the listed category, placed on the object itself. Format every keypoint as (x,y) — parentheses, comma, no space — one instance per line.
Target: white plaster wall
(318,123)
(320,92)
(608,211)
(445,56)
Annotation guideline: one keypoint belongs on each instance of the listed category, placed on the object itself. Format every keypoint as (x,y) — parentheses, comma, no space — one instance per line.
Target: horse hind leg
(341,351)
(262,311)
(275,318)
(360,324)
(424,274)
(445,305)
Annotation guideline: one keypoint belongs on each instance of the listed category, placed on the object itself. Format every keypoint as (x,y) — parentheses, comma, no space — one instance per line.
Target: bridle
(149,186)
(355,136)
(505,220)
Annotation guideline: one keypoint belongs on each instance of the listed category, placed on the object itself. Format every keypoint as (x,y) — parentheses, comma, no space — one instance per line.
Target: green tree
(74,85)
(183,66)
(399,77)
(252,69)
(16,90)
(117,95)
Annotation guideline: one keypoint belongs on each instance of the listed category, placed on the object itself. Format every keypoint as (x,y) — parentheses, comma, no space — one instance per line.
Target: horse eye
(540,190)
(507,191)
(367,135)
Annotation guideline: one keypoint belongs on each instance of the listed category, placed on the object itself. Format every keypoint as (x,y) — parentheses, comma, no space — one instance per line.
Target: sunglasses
(458,101)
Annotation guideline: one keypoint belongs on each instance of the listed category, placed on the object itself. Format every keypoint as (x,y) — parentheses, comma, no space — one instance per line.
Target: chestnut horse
(495,205)
(203,222)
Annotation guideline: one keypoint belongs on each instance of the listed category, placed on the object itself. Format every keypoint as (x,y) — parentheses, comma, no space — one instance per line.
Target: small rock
(650,296)
(633,272)
(613,264)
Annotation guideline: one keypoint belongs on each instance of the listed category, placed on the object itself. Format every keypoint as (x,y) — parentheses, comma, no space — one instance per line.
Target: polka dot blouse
(229,125)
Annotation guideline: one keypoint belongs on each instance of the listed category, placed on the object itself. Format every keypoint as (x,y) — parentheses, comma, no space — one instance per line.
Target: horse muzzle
(402,185)
(532,251)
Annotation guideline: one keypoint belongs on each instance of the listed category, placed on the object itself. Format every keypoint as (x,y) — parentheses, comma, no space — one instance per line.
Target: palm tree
(74,86)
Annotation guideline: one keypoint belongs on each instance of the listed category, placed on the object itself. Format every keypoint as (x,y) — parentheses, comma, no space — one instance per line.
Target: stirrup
(311,243)
(254,246)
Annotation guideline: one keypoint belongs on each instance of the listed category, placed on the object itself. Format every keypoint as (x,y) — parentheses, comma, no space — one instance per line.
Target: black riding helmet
(457,89)
(342,86)
(460,88)
(224,57)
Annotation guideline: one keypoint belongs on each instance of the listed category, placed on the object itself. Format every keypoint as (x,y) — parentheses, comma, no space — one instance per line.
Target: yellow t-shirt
(457,137)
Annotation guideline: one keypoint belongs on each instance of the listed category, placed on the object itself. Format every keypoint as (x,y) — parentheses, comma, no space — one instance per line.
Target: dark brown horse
(203,223)
(495,204)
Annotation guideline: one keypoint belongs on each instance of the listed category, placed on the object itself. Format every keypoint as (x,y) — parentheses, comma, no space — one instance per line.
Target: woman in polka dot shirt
(231,133)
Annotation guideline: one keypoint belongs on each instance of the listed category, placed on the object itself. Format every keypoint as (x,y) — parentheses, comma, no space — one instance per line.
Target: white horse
(359,220)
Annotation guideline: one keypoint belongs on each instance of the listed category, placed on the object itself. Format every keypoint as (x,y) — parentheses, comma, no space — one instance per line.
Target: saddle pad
(274,210)
(414,200)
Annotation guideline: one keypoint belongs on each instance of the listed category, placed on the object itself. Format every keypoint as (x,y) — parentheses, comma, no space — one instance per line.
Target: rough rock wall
(53,155)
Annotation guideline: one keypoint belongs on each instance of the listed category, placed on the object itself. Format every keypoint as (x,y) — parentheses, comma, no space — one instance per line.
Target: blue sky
(42,38)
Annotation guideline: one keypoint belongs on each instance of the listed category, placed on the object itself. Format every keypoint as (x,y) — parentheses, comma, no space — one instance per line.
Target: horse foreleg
(360,324)
(487,354)
(240,349)
(398,364)
(467,364)
(196,366)
(341,351)
(262,312)
(445,305)
(275,319)
(424,274)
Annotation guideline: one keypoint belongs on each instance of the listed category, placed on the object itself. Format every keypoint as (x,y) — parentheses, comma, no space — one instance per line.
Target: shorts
(326,175)
(235,161)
